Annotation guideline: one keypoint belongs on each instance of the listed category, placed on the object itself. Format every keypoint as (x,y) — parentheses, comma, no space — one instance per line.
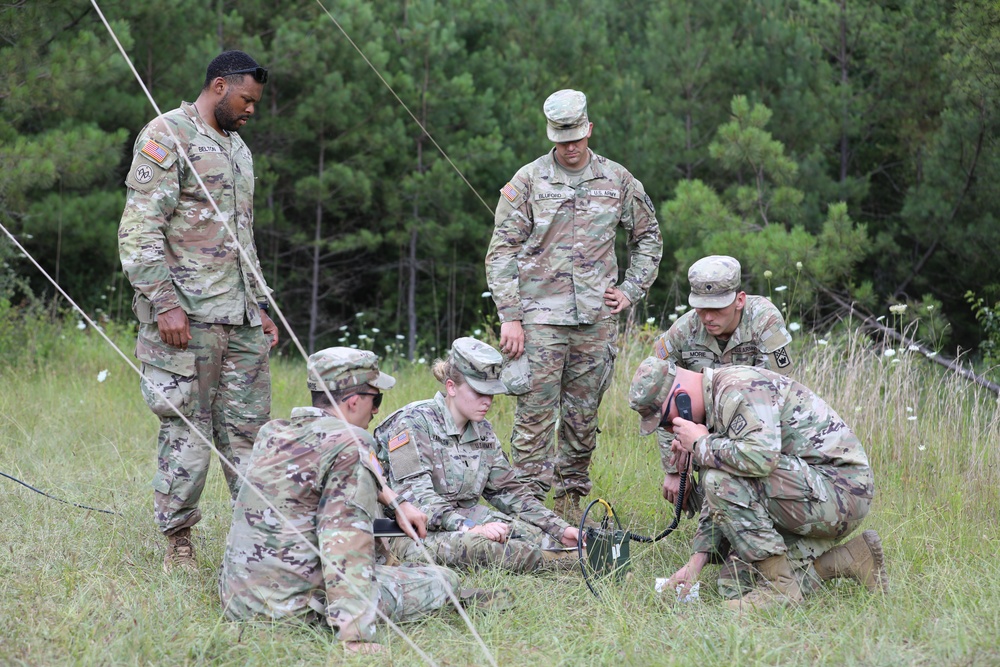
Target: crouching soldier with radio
(784,479)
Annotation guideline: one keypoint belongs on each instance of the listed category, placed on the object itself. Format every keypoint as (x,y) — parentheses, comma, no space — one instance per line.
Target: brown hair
(444,369)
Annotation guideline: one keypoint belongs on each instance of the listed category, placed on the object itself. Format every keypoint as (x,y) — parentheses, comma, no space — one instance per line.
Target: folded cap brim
(383,381)
(713,301)
(487,387)
(572,134)
(649,424)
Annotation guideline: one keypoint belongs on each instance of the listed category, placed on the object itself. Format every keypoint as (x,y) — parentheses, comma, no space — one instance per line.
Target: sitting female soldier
(442,455)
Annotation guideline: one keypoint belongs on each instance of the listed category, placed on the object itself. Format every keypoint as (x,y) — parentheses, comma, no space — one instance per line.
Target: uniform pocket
(794,479)
(168,374)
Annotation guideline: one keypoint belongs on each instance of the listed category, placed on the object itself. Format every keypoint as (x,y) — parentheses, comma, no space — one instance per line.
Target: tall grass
(79,587)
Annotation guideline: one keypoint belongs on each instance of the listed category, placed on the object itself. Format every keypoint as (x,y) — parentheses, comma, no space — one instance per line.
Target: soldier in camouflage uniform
(203,334)
(553,273)
(779,466)
(727,327)
(319,470)
(443,456)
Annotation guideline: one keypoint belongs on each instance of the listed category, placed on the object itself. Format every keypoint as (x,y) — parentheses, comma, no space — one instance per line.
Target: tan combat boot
(180,552)
(560,561)
(860,559)
(781,586)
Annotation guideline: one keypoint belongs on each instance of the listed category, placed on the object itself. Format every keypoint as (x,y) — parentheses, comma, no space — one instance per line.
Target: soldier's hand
(671,487)
(411,520)
(270,328)
(616,300)
(512,339)
(175,330)
(687,433)
(496,531)
(570,536)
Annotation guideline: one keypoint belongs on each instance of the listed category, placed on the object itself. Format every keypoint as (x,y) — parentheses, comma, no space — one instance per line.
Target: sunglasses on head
(376,398)
(259,73)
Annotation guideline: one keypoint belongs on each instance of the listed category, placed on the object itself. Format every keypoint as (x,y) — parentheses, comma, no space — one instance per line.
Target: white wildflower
(477,332)
(895,361)
(81,325)
(822,341)
(880,318)
(768,275)
(400,337)
(376,330)
(794,326)
(912,418)
(341,340)
(930,308)
(103,375)
(898,309)
(781,288)
(650,320)
(889,352)
(421,360)
(857,408)
(343,328)
(681,308)
(354,346)
(913,347)
(359,315)
(931,354)
(921,448)
(486,295)
(28,236)
(798,266)
(362,337)
(388,348)
(672,317)
(909,409)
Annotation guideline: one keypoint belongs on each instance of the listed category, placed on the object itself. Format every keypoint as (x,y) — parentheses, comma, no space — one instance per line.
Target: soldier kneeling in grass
(784,479)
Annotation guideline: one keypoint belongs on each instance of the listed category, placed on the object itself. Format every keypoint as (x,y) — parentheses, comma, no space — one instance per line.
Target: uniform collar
(204,128)
(557,173)
(308,412)
(471,432)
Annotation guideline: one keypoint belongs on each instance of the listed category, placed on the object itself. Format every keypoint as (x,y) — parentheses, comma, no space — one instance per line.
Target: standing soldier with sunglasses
(187,247)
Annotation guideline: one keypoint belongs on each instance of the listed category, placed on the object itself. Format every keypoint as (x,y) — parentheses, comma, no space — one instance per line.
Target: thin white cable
(403,104)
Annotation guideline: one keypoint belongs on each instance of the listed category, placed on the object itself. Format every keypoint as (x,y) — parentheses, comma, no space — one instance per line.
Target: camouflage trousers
(522,552)
(799,510)
(222,384)
(571,368)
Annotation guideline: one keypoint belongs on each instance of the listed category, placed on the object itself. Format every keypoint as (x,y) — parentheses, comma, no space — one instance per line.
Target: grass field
(81,587)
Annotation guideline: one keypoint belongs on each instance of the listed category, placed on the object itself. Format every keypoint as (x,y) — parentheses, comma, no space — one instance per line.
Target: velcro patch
(737,425)
(510,192)
(550,195)
(613,194)
(399,440)
(375,465)
(696,354)
(781,358)
(154,152)
(649,204)
(660,349)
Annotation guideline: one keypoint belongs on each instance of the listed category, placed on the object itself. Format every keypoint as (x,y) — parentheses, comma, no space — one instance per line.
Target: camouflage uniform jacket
(553,249)
(267,569)
(174,249)
(444,471)
(765,425)
(759,340)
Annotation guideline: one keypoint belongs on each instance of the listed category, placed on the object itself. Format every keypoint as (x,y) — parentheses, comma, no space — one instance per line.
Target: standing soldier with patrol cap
(319,470)
(443,456)
(726,327)
(780,469)
(204,335)
(552,270)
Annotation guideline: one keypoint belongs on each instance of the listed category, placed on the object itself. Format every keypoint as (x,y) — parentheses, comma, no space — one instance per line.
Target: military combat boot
(180,552)
(781,586)
(860,559)
(559,560)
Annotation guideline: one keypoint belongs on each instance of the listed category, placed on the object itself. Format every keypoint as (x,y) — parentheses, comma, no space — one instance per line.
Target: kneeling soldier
(780,469)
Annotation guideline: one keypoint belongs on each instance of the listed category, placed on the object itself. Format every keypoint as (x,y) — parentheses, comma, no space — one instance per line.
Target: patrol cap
(651,386)
(566,116)
(343,367)
(516,375)
(479,363)
(714,281)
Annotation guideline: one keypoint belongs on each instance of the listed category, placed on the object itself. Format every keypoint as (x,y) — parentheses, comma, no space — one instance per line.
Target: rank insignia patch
(399,440)
(154,151)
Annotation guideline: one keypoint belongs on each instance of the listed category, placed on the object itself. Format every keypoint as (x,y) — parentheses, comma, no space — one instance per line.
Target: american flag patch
(660,349)
(154,151)
(510,192)
(399,440)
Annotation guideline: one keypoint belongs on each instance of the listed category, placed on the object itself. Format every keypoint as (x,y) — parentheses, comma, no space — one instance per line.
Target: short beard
(224,116)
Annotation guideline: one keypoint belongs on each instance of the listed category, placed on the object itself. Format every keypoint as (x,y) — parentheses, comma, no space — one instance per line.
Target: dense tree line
(830,145)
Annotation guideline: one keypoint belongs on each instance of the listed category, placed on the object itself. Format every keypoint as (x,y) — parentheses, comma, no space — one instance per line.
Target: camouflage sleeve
(663,348)
(747,437)
(645,244)
(512,226)
(412,471)
(774,345)
(506,493)
(153,192)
